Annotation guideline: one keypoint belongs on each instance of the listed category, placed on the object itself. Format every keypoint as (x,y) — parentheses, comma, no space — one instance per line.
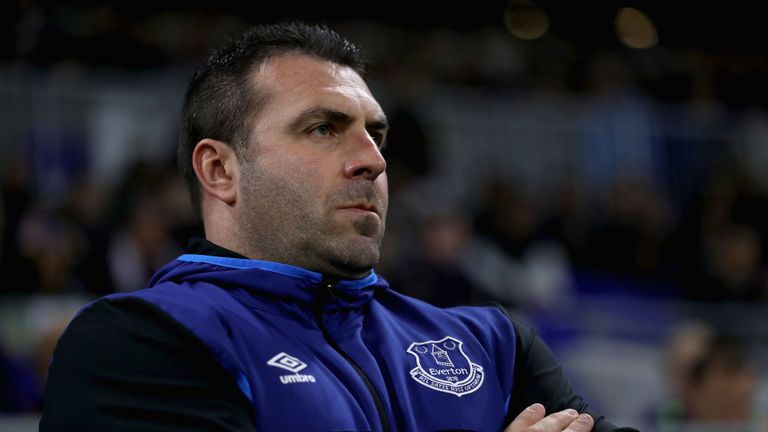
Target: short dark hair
(219,100)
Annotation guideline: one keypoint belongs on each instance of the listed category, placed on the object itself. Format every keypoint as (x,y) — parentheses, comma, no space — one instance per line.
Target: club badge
(443,366)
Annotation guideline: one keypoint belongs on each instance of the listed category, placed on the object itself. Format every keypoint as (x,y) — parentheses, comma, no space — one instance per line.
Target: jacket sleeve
(124,365)
(538,377)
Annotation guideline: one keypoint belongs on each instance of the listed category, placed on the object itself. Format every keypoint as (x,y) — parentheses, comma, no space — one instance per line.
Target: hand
(532,420)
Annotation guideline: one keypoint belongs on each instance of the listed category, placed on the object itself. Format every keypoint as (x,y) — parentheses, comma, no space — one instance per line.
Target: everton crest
(443,366)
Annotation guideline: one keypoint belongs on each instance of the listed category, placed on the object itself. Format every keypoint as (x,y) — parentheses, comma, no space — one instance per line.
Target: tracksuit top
(221,342)
(318,354)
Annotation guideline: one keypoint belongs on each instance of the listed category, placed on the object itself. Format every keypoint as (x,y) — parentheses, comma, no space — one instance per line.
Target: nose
(366,160)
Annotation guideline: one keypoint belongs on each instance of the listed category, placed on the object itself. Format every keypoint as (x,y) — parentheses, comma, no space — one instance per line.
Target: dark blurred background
(599,168)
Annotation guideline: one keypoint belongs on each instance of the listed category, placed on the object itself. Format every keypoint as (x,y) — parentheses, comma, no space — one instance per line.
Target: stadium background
(606,186)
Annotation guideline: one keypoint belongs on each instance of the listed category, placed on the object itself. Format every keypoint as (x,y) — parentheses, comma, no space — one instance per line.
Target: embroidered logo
(443,366)
(291,364)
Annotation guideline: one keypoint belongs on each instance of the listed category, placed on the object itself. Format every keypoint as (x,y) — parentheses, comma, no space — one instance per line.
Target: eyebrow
(332,115)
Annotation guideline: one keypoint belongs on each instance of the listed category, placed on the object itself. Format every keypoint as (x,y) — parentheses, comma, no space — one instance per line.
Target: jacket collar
(208,262)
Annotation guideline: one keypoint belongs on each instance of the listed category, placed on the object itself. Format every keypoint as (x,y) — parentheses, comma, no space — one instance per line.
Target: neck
(328,269)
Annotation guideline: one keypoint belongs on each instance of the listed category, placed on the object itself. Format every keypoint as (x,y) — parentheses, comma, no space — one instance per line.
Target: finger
(528,417)
(557,422)
(582,423)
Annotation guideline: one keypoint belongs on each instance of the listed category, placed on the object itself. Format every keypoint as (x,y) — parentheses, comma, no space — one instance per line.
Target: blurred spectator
(15,198)
(47,335)
(509,260)
(732,267)
(685,345)
(176,207)
(142,241)
(631,238)
(720,244)
(718,385)
(621,128)
(569,221)
(29,329)
(54,245)
(435,273)
(86,208)
(508,218)
(753,151)
(19,388)
(410,145)
(407,148)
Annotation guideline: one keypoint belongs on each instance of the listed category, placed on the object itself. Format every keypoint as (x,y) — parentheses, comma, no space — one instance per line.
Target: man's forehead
(304,82)
(298,72)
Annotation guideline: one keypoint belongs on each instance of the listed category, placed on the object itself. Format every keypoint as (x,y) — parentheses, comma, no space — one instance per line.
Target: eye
(378,138)
(323,129)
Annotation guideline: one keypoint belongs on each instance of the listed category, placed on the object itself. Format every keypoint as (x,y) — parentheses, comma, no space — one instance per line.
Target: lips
(362,206)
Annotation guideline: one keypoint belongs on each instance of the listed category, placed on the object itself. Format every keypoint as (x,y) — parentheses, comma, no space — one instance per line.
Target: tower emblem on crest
(442,365)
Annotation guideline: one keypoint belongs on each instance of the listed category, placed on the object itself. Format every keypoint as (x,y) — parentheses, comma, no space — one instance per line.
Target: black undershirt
(125,365)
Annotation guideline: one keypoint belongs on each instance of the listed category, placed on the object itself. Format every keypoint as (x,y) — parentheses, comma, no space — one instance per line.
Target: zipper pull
(329,283)
(326,294)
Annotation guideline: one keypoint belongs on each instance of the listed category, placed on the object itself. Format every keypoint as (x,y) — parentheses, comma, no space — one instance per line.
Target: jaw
(351,256)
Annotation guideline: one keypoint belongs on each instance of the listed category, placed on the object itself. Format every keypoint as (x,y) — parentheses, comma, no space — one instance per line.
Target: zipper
(328,285)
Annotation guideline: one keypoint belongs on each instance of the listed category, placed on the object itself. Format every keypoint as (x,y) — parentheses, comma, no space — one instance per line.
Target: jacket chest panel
(435,381)
(442,380)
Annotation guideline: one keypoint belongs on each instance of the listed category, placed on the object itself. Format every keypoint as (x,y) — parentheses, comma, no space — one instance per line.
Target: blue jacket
(313,354)
(219,342)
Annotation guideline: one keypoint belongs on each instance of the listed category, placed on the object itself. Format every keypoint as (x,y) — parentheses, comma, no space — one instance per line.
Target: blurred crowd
(694,231)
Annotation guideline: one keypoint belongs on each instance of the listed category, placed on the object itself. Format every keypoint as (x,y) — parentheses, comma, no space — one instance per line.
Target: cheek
(315,181)
(382,188)
(303,172)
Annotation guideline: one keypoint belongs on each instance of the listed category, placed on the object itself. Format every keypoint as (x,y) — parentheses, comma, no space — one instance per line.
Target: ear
(217,169)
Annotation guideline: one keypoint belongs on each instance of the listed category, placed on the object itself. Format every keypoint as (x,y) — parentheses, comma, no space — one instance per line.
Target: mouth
(362,206)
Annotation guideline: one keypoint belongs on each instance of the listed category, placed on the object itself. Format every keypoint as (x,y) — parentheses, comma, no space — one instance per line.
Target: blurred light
(525,20)
(634,29)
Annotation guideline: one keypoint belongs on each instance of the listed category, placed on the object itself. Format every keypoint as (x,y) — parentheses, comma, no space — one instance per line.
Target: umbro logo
(287,362)
(291,364)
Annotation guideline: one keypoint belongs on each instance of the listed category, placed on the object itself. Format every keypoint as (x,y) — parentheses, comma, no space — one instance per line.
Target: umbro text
(297,378)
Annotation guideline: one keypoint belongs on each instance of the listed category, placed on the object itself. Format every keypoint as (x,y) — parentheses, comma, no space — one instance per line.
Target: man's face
(313,188)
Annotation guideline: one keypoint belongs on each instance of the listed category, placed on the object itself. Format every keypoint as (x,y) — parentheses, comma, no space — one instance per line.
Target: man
(277,321)
(717,388)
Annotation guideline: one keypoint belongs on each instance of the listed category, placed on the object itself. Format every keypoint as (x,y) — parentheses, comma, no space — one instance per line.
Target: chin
(357,258)
(362,263)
